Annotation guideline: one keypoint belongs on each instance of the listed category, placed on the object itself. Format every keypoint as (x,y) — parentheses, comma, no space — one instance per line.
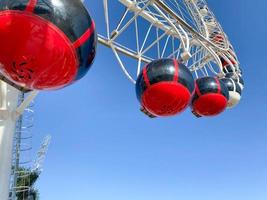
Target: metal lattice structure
(38,163)
(24,169)
(22,149)
(186,30)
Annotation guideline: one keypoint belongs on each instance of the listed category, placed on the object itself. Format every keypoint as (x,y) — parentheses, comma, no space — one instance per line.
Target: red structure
(164,87)
(40,47)
(210,98)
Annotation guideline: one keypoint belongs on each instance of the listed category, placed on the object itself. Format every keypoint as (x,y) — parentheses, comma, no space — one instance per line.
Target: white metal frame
(197,47)
(9,113)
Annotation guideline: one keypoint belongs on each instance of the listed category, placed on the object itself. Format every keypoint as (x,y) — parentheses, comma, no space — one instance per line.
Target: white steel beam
(9,101)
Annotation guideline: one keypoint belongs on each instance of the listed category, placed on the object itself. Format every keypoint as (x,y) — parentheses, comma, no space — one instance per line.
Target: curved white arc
(153,20)
(212,53)
(185,42)
(205,28)
(216,24)
(122,65)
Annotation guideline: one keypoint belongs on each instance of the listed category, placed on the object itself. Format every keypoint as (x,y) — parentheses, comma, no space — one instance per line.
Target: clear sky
(103,148)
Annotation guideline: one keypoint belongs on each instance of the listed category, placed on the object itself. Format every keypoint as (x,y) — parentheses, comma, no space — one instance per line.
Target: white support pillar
(9,101)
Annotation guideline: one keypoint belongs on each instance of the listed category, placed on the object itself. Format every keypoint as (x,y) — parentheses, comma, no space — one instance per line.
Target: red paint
(146,77)
(219,85)
(31,5)
(210,104)
(197,89)
(225,63)
(166,98)
(85,36)
(218,38)
(176,73)
(233,62)
(34,53)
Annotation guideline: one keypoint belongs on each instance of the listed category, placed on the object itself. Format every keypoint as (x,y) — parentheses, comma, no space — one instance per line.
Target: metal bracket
(20,109)
(20,88)
(143,110)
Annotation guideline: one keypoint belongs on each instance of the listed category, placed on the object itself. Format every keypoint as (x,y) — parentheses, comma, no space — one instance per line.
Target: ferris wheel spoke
(178,29)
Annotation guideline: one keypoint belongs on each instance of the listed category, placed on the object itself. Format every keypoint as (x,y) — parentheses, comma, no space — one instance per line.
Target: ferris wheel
(185,30)
(175,53)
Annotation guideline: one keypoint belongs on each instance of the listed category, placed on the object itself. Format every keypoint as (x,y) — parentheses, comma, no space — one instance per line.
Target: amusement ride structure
(175,52)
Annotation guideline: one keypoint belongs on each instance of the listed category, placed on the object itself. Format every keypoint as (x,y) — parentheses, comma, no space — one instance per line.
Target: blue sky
(103,148)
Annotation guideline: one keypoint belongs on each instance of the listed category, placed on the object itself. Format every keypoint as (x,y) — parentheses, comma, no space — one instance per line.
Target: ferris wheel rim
(207,61)
(205,40)
(212,23)
(130,4)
